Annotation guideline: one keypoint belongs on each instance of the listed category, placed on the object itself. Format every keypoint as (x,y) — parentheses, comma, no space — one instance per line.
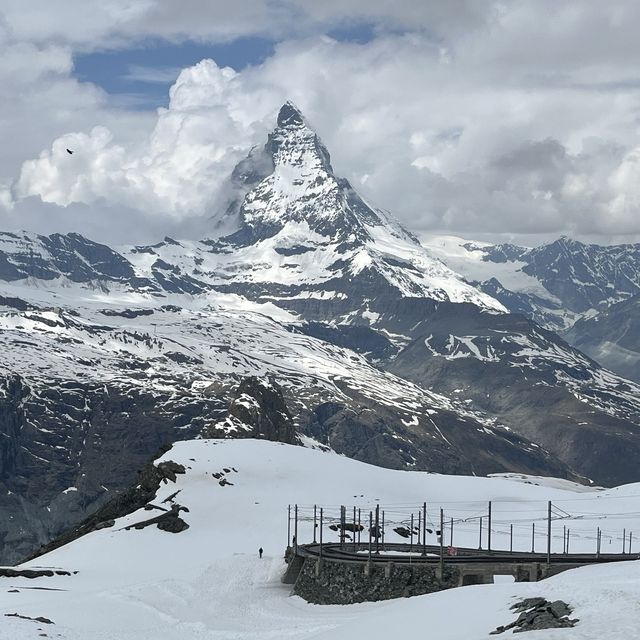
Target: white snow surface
(466,258)
(208,582)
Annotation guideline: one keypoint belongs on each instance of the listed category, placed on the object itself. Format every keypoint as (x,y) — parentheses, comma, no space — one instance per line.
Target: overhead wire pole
(321,532)
(377,528)
(344,526)
(511,538)
(295,531)
(480,537)
(315,522)
(549,533)
(451,533)
(382,530)
(411,535)
(489,530)
(441,542)
(355,528)
(624,540)
(424,528)
(370,532)
(289,527)
(630,536)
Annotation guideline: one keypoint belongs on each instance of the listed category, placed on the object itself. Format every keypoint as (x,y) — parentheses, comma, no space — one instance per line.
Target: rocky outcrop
(67,448)
(6,572)
(169,521)
(538,613)
(257,410)
(137,496)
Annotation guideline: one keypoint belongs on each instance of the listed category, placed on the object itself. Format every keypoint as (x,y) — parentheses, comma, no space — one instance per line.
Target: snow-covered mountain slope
(208,582)
(300,231)
(554,284)
(503,274)
(92,383)
(534,382)
(586,276)
(301,239)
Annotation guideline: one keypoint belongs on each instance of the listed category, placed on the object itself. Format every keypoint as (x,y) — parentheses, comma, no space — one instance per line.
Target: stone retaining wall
(327,582)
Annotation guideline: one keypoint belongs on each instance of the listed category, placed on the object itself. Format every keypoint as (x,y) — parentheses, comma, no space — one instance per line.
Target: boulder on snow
(538,613)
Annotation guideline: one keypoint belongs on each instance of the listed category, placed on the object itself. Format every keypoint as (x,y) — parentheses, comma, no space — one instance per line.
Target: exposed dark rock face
(261,406)
(137,496)
(16,303)
(70,255)
(538,613)
(359,338)
(257,410)
(66,448)
(373,435)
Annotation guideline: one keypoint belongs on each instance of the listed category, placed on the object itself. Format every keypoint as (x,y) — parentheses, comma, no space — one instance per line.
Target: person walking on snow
(260,551)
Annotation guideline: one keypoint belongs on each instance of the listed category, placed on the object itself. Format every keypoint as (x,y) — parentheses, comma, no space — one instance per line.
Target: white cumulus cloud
(475,118)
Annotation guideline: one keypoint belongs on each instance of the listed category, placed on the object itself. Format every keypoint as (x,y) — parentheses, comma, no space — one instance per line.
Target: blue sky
(139,77)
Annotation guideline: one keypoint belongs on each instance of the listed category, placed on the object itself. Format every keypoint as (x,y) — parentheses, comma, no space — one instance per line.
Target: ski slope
(208,582)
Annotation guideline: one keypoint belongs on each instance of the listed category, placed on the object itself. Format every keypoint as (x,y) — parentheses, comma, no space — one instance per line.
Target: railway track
(399,553)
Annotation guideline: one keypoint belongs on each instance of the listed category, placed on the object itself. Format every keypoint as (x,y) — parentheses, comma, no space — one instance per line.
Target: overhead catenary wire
(506,524)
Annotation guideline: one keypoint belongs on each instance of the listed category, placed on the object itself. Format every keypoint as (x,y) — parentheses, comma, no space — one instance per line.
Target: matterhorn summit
(291,181)
(291,211)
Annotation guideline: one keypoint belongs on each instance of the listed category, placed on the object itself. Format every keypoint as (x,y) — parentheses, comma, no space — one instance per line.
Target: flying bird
(69,152)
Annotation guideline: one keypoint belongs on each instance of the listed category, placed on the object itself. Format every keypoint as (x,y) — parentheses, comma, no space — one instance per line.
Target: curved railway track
(400,553)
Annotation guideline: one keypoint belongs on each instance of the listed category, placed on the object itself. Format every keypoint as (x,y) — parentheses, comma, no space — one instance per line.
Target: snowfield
(208,582)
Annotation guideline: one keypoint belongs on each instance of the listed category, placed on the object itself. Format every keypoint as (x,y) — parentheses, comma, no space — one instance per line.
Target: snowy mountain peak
(290,115)
(294,143)
(301,231)
(291,181)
